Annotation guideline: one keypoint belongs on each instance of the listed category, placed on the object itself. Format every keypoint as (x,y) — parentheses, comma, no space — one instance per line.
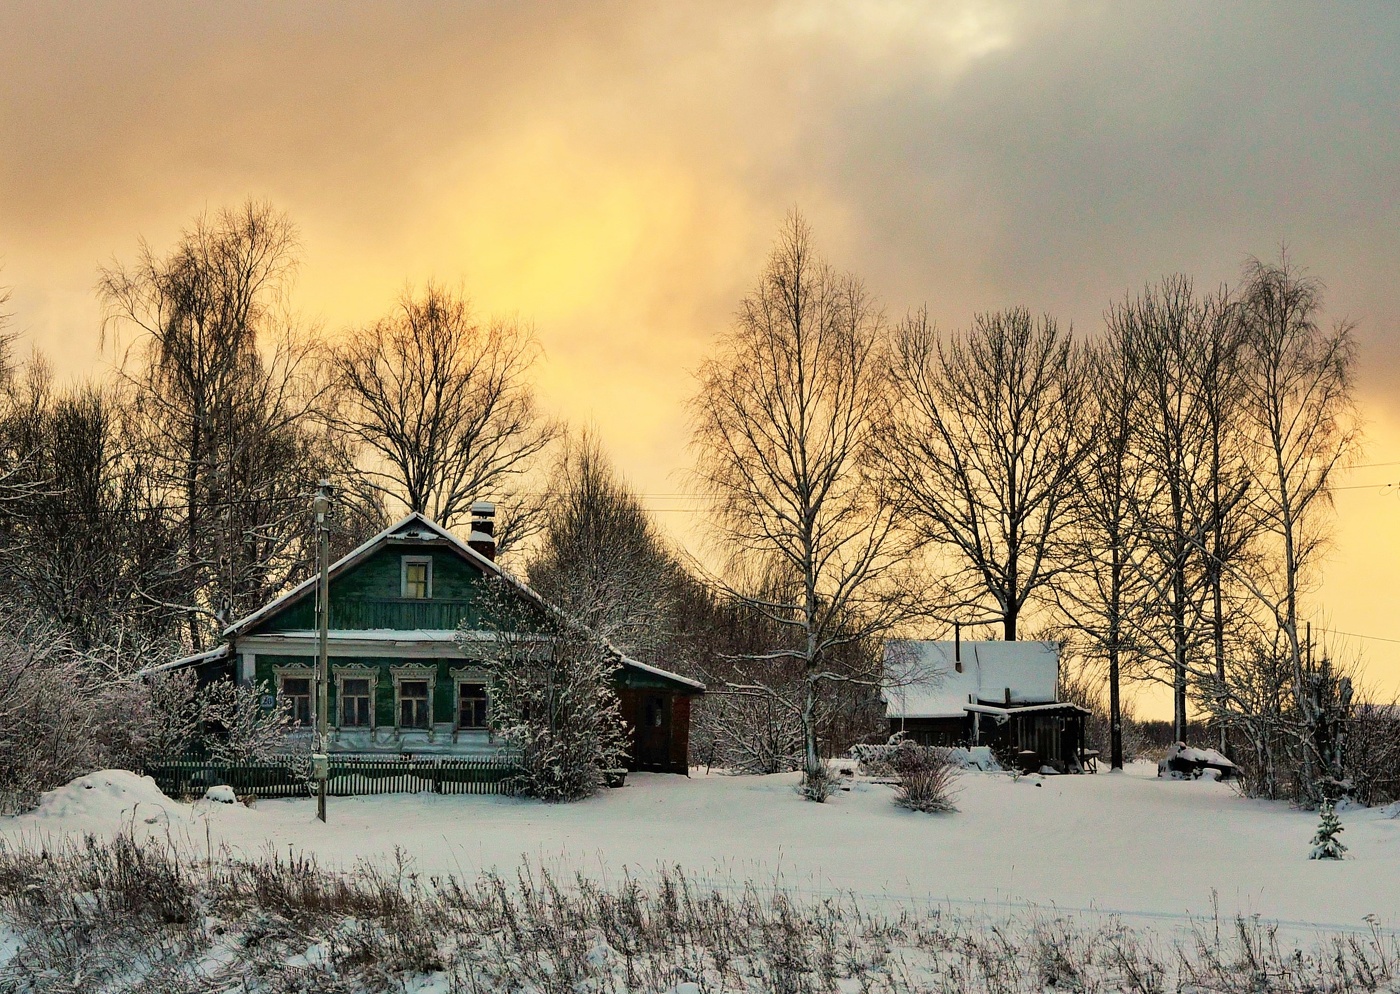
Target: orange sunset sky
(615,173)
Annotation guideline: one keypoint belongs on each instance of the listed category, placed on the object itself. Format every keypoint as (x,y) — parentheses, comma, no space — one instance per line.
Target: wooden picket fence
(349,776)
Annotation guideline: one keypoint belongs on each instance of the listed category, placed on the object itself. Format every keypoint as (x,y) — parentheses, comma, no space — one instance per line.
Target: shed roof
(924,681)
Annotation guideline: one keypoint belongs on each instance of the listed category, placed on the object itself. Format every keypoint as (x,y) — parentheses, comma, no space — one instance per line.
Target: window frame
(368,673)
(410,673)
(476,678)
(308,673)
(404,563)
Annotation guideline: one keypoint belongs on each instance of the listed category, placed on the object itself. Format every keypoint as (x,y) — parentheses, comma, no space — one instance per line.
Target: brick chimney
(483,536)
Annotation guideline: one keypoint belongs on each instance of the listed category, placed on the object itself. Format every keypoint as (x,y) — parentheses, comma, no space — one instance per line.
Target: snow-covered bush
(57,720)
(880,759)
(924,778)
(1371,758)
(552,697)
(556,708)
(820,783)
(233,727)
(749,732)
(1325,844)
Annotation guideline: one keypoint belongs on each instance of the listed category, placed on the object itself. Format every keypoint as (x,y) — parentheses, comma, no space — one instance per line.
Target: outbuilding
(984,693)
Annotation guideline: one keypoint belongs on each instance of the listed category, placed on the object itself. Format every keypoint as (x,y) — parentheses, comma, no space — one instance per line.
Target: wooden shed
(983,693)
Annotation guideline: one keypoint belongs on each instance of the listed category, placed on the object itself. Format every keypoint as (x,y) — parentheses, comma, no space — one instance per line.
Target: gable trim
(357,555)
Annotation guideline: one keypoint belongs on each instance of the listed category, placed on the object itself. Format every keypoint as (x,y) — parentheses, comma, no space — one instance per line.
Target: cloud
(615,172)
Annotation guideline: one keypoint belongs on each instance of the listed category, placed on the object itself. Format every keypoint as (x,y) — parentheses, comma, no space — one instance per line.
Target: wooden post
(320,763)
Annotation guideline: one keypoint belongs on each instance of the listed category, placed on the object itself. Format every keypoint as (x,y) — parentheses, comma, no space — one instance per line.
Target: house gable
(367,588)
(369,595)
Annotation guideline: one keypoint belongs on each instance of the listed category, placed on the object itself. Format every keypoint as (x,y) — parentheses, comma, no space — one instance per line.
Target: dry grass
(124,916)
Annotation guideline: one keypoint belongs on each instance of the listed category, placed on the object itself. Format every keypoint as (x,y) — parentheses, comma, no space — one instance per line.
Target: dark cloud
(616,170)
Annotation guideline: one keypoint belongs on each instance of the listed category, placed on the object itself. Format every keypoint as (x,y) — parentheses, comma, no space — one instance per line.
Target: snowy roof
(924,680)
(411,526)
(415,526)
(210,656)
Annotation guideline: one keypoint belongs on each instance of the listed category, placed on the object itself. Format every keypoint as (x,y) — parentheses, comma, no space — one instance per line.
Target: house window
(355,703)
(413,704)
(471,705)
(417,577)
(355,686)
(296,693)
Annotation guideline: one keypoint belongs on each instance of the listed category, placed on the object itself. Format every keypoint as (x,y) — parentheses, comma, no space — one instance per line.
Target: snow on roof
(176,664)
(924,681)
(412,525)
(416,526)
(383,635)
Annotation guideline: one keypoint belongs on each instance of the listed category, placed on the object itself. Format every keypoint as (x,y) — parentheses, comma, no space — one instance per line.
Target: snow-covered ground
(1150,850)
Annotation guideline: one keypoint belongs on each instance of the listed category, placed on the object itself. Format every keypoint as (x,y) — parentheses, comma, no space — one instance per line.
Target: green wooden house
(403,681)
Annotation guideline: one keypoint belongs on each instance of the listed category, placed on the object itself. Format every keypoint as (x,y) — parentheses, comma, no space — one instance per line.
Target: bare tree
(84,543)
(1231,527)
(1300,405)
(1164,334)
(783,422)
(445,407)
(1107,590)
(983,441)
(224,390)
(600,558)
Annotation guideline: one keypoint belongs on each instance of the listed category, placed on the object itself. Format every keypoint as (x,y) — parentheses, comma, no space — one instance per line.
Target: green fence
(349,775)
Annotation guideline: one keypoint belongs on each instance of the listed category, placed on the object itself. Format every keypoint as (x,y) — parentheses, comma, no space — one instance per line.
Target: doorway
(654,731)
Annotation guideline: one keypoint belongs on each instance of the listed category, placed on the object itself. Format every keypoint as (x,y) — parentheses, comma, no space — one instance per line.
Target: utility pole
(320,761)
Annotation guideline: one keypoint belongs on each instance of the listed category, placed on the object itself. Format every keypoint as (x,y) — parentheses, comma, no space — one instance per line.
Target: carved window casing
(355,688)
(473,699)
(414,687)
(296,688)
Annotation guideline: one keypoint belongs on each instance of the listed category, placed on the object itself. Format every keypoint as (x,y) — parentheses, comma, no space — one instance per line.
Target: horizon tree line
(1159,491)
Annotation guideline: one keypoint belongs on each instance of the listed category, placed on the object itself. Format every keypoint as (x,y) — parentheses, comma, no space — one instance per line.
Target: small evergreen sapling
(1325,844)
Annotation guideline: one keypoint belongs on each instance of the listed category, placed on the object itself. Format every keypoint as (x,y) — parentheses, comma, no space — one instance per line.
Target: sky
(615,174)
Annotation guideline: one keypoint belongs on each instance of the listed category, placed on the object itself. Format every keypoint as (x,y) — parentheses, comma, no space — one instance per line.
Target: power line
(1355,635)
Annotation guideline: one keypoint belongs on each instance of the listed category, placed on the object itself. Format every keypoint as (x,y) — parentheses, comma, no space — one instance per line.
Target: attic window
(417,577)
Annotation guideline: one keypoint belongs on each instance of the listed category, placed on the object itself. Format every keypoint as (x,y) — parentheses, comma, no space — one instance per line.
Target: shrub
(818,784)
(925,779)
(553,704)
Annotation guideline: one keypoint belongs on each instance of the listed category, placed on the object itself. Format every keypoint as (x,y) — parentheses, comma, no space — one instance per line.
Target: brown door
(654,735)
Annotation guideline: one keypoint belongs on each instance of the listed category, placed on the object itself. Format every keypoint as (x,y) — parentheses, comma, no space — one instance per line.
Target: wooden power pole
(320,760)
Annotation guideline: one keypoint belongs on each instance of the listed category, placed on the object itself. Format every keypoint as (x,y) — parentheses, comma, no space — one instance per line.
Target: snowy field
(1152,852)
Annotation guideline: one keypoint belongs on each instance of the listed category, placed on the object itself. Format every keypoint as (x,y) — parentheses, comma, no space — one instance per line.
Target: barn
(410,621)
(984,693)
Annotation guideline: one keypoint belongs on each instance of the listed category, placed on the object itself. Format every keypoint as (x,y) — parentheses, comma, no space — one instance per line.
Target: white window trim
(281,673)
(351,672)
(408,671)
(403,575)
(473,675)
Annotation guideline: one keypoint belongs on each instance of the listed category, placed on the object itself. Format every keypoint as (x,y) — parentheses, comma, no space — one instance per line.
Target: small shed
(987,693)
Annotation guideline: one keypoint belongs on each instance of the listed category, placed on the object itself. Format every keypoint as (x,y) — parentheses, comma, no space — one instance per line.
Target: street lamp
(320,761)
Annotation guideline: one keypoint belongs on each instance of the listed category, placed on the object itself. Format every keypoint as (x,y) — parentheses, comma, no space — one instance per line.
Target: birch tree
(983,440)
(1107,592)
(1300,404)
(1163,333)
(226,390)
(783,420)
(1230,526)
